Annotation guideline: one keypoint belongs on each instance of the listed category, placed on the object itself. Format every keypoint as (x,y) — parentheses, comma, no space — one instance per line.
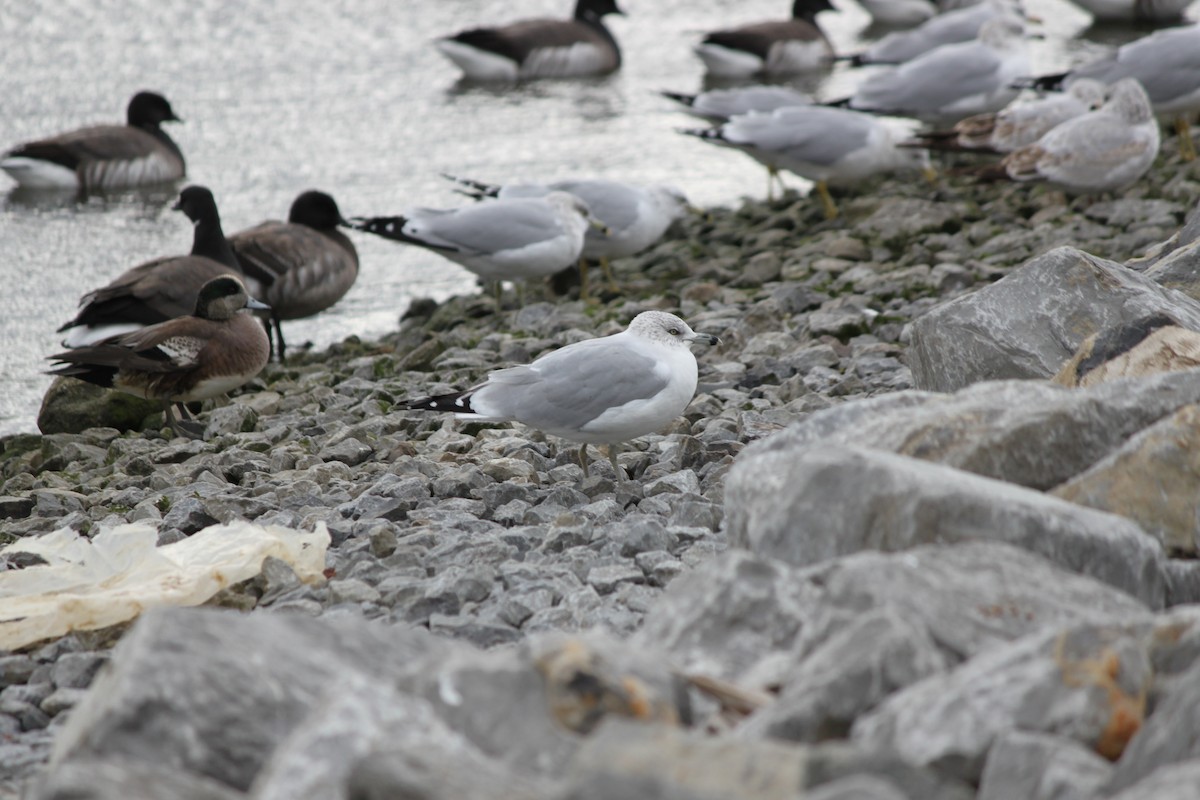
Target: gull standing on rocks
(718,105)
(634,216)
(1019,123)
(773,48)
(1166,63)
(599,391)
(103,157)
(505,239)
(954,80)
(538,48)
(211,352)
(831,146)
(1101,151)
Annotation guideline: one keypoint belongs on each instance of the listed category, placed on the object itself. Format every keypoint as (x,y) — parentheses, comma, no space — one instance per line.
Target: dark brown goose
(300,267)
(161,289)
(103,157)
(538,48)
(775,47)
(212,351)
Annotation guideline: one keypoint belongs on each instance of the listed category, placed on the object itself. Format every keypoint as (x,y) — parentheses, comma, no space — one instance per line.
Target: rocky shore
(880,556)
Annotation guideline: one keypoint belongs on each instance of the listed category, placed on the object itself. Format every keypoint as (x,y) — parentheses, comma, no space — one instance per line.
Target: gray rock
(336,752)
(236,417)
(72,406)
(857,787)
(1174,782)
(1027,324)
(807,505)
(1150,480)
(1085,683)
(180,676)
(126,778)
(76,670)
(1025,432)
(1034,766)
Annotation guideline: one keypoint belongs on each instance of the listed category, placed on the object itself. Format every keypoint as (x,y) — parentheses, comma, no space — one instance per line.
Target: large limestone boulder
(1029,323)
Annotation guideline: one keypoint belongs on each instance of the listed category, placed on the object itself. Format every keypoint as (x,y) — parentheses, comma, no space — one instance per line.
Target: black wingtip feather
(459,402)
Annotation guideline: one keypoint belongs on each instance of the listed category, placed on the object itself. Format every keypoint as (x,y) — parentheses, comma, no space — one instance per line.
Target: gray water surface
(351,98)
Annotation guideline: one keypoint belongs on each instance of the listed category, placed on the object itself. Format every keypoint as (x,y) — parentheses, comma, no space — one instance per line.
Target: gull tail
(711,134)
(688,100)
(1043,83)
(392,228)
(476,190)
(458,402)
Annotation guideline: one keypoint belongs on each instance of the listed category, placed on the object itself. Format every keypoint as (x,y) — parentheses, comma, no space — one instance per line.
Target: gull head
(668,329)
(1088,91)
(1129,101)
(573,206)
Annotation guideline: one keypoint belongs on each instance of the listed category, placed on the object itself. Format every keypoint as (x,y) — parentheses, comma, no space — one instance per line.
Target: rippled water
(280,96)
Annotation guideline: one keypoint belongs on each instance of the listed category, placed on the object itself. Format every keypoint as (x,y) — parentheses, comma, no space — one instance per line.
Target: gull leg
(1187,150)
(612,459)
(583,459)
(583,279)
(772,175)
(827,203)
(608,273)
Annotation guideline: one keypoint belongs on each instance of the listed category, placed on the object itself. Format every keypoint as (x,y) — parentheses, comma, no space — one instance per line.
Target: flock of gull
(953,75)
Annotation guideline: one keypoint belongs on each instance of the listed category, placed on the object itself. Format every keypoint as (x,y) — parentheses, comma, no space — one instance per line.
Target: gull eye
(673,331)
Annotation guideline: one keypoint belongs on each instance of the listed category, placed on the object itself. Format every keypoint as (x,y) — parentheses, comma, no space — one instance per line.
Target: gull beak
(257,305)
(707,338)
(600,226)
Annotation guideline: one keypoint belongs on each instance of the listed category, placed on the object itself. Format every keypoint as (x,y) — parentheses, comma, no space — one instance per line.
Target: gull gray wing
(614,204)
(815,134)
(929,84)
(491,226)
(568,388)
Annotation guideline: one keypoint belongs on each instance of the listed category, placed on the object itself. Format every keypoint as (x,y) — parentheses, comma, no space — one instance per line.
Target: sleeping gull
(498,240)
(634,216)
(718,105)
(952,81)
(774,48)
(951,27)
(831,146)
(1019,123)
(1101,151)
(899,13)
(1166,63)
(598,391)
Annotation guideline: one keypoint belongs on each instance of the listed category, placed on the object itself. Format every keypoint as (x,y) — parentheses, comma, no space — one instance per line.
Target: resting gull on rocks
(598,391)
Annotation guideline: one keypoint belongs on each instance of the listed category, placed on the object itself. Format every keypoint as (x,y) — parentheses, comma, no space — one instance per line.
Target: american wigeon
(103,157)
(300,267)
(775,47)
(161,289)
(210,352)
(538,48)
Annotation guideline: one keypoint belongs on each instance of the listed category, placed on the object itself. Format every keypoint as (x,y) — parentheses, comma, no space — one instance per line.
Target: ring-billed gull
(505,239)
(831,146)
(718,105)
(1019,123)
(1166,63)
(300,267)
(951,27)
(1100,151)
(598,391)
(538,48)
(775,47)
(1130,10)
(952,81)
(210,352)
(161,289)
(899,13)
(634,216)
(102,157)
